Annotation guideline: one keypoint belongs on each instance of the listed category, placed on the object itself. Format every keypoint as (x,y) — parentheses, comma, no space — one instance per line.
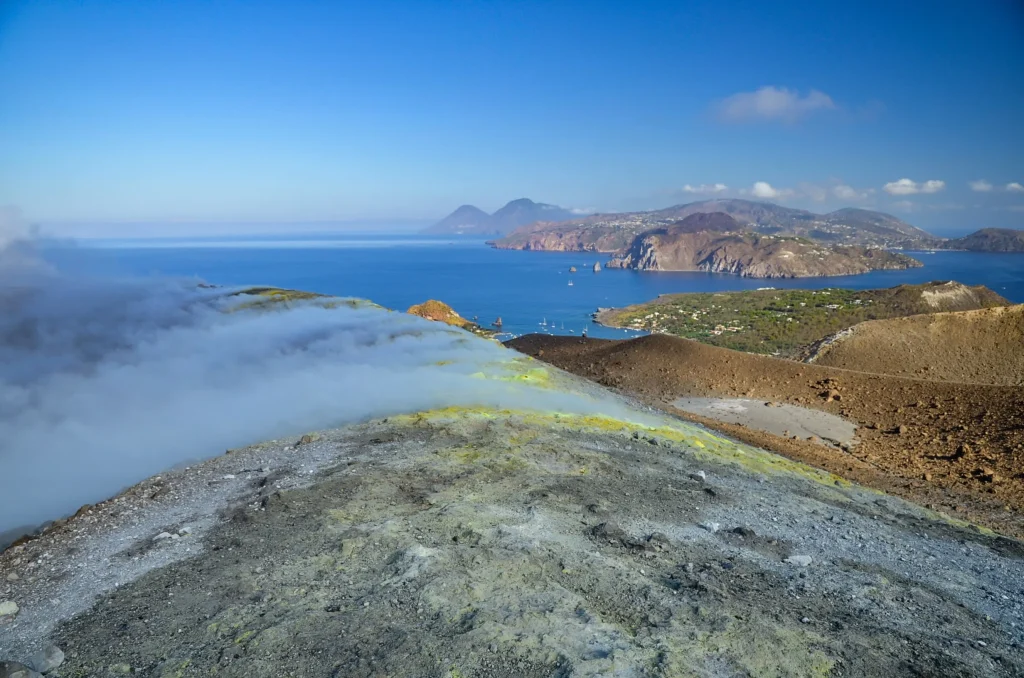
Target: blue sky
(166,114)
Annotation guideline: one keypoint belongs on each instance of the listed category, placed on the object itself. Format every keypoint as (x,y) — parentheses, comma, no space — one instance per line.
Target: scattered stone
(744,531)
(307,439)
(162,536)
(986,475)
(16,670)
(982,643)
(699,476)
(8,608)
(902,430)
(711,527)
(120,669)
(184,531)
(658,540)
(805,620)
(610,531)
(228,476)
(13,576)
(47,659)
(801,561)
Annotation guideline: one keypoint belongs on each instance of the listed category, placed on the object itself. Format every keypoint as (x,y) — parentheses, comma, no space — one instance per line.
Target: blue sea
(530,291)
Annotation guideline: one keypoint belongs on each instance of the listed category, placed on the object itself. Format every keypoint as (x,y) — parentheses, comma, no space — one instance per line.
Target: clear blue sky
(216,111)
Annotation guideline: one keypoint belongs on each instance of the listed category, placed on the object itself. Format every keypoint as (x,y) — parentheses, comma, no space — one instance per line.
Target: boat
(570,283)
(497,323)
(597,267)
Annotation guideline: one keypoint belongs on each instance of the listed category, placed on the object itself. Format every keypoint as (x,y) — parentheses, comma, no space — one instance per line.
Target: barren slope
(984,346)
(958,447)
(501,544)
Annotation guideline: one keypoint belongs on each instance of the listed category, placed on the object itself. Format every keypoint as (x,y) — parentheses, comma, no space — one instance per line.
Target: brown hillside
(984,346)
(956,447)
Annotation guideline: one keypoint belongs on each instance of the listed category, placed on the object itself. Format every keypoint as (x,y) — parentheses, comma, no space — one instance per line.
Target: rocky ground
(483,543)
(955,447)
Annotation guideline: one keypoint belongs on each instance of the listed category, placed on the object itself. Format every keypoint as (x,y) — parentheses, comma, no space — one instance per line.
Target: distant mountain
(989,240)
(843,227)
(466,219)
(521,212)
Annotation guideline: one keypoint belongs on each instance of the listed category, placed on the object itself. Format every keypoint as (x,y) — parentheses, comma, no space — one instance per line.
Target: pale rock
(16,670)
(47,659)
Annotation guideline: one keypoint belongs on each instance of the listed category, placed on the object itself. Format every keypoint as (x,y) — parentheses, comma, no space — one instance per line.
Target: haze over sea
(525,289)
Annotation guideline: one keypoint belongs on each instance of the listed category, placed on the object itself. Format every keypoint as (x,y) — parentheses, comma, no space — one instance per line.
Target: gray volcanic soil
(502,544)
(779,419)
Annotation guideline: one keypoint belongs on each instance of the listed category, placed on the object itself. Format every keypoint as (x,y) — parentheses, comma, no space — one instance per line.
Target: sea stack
(597,267)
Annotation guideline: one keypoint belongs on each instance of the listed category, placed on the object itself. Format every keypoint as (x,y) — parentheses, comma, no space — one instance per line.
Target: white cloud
(762,189)
(1015,187)
(909,187)
(773,103)
(705,188)
(981,186)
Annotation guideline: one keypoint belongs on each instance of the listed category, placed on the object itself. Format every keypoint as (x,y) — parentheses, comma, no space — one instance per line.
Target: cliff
(555,239)
(725,248)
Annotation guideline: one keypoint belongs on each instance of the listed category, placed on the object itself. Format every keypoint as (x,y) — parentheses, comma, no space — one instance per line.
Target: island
(613,232)
(717,243)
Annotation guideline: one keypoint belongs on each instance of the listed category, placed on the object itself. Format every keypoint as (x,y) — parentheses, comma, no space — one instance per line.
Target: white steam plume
(104,383)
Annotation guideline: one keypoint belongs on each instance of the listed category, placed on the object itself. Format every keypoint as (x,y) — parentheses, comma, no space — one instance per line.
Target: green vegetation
(788,322)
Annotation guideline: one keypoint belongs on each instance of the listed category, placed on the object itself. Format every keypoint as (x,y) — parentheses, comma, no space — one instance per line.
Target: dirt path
(918,435)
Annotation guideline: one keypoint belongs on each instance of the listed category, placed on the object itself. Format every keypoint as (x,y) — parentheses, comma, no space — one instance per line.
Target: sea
(529,291)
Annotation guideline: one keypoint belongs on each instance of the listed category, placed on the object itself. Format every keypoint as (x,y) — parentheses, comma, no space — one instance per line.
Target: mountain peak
(519,212)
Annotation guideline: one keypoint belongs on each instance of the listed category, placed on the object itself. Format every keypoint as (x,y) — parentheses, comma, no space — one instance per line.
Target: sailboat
(570,283)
